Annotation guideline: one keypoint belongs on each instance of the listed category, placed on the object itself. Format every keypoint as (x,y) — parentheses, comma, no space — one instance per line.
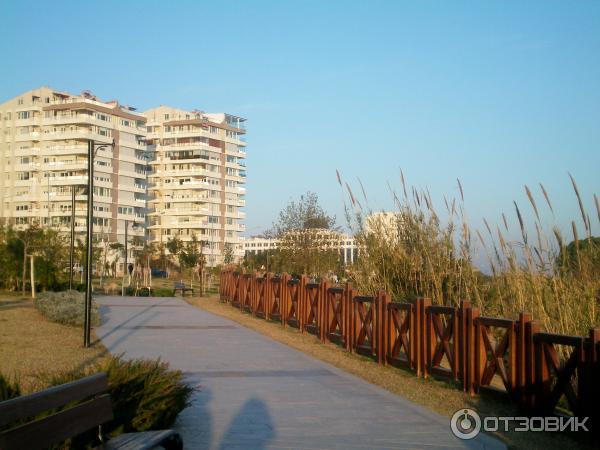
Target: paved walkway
(256,393)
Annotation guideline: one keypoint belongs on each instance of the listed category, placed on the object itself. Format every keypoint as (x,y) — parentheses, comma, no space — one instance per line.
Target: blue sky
(498,94)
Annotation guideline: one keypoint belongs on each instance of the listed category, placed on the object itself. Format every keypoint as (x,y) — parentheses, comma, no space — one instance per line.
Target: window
(213,219)
(23,115)
(166,117)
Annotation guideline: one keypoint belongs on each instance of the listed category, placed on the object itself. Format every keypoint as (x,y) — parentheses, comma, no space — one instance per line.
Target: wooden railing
(455,342)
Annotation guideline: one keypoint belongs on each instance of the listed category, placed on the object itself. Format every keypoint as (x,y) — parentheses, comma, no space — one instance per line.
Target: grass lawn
(31,345)
(437,395)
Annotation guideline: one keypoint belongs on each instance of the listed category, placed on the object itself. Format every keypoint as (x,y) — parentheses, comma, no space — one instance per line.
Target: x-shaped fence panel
(292,316)
(313,309)
(364,314)
(495,352)
(274,308)
(237,291)
(401,337)
(260,297)
(334,320)
(557,378)
(246,299)
(442,332)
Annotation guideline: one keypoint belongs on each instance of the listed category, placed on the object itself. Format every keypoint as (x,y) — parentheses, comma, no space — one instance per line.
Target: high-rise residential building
(44,138)
(197,182)
(171,172)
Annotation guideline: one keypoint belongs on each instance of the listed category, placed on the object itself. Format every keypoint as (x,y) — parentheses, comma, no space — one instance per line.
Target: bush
(156,292)
(146,395)
(162,292)
(65,307)
(8,389)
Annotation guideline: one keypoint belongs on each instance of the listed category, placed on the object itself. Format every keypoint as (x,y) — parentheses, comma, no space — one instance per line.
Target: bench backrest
(179,285)
(56,427)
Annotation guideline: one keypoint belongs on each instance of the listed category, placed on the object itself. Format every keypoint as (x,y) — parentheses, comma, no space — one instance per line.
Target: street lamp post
(89,226)
(71,250)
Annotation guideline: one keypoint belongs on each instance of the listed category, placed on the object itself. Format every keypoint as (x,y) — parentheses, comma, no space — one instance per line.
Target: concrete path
(257,394)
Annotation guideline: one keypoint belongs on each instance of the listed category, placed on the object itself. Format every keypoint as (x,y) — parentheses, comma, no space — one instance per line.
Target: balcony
(80,133)
(184,172)
(31,136)
(64,165)
(181,211)
(64,119)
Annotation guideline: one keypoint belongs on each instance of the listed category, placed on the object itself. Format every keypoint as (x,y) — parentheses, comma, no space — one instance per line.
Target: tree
(174,246)
(228,254)
(307,237)
(580,255)
(53,251)
(306,213)
(161,250)
(29,237)
(191,255)
(11,251)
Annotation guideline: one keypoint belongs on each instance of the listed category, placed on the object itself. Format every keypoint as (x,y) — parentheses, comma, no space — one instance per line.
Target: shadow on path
(252,427)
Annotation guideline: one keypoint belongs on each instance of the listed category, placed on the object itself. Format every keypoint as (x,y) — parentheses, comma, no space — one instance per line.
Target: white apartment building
(197,172)
(44,138)
(197,183)
(345,244)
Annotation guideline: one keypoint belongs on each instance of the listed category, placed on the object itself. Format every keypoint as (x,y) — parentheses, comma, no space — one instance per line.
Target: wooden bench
(179,286)
(93,408)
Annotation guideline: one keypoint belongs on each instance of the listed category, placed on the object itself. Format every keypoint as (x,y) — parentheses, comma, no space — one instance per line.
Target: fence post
(480,355)
(418,335)
(240,289)
(348,317)
(463,343)
(472,315)
(283,298)
(382,327)
(253,292)
(302,300)
(323,310)
(535,366)
(589,381)
(428,338)
(521,350)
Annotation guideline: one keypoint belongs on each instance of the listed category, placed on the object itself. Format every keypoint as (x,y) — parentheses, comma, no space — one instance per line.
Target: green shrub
(156,292)
(162,292)
(65,307)
(146,395)
(8,389)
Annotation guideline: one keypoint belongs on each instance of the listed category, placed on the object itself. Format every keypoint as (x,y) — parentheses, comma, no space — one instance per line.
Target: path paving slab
(255,393)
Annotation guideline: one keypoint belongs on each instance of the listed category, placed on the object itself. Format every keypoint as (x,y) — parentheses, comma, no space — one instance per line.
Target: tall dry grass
(413,252)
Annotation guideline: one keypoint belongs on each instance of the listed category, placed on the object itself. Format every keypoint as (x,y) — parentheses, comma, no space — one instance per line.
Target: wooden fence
(456,342)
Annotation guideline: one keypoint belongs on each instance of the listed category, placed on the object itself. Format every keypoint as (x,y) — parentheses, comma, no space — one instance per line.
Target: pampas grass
(423,256)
